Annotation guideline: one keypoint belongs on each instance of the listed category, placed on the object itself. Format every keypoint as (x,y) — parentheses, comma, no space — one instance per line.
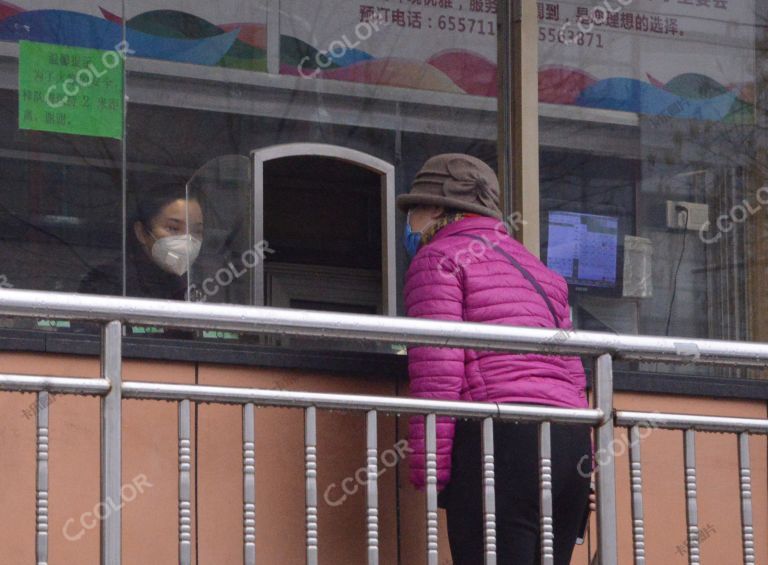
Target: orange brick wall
(150,456)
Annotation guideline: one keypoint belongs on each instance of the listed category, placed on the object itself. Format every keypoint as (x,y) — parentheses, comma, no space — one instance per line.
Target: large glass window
(652,163)
(160,195)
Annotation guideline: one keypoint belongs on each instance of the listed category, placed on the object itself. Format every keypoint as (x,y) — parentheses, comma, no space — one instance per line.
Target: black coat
(144,279)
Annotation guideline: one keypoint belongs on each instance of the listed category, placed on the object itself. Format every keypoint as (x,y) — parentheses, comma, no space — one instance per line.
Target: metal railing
(113,313)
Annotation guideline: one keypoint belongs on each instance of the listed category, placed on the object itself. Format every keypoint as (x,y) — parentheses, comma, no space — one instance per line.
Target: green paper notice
(71,89)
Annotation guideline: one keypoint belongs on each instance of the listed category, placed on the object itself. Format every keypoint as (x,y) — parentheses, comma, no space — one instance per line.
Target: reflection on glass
(207,84)
(224,270)
(652,114)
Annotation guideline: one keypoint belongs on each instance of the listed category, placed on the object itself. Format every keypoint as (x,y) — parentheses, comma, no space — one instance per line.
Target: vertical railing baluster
(111,441)
(546,523)
(745,486)
(185,484)
(42,478)
(489,493)
(372,488)
(636,478)
(310,443)
(606,472)
(692,511)
(431,468)
(249,486)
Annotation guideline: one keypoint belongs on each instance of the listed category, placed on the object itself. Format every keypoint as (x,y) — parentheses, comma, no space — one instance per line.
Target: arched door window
(325,217)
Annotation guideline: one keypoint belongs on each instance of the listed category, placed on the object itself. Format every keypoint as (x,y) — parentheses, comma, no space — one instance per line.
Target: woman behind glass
(164,241)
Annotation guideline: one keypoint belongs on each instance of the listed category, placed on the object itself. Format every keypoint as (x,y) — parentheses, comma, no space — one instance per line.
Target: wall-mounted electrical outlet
(697,215)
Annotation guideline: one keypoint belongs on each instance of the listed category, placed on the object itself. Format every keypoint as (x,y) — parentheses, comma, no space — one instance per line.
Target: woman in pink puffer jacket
(466,267)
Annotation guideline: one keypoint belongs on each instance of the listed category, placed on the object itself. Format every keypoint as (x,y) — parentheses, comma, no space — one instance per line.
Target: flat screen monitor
(584,249)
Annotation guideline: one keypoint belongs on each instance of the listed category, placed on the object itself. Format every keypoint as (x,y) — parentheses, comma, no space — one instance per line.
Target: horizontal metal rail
(382,329)
(326,401)
(58,385)
(691,422)
(281,398)
(264,397)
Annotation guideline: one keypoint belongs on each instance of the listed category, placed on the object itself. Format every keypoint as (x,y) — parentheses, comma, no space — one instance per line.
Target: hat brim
(407,201)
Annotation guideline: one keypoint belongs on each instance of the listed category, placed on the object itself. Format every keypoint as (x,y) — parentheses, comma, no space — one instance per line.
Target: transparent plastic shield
(224,268)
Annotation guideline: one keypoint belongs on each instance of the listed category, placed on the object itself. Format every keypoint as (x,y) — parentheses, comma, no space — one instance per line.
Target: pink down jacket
(456,278)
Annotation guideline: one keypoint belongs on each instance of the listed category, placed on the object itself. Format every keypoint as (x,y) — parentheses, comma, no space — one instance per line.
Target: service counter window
(652,166)
(237,152)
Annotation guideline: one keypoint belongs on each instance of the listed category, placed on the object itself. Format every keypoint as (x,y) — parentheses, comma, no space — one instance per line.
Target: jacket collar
(473,224)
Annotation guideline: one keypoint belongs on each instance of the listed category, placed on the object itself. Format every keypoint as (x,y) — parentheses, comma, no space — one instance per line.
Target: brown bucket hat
(454,180)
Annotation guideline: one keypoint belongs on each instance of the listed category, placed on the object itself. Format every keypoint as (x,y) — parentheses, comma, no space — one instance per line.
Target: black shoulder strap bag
(444,496)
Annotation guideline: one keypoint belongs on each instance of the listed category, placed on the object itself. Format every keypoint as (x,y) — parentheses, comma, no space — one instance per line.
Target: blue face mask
(411,239)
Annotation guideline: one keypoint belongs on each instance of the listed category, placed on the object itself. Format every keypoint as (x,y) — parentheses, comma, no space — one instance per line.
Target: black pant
(517,492)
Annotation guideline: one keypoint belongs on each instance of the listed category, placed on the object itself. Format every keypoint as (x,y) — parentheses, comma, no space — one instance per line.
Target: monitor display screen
(584,248)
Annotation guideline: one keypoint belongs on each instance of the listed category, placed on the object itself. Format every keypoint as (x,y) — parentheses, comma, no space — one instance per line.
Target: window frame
(386,172)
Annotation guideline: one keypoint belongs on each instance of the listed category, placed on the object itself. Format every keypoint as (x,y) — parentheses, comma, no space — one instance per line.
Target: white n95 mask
(175,253)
